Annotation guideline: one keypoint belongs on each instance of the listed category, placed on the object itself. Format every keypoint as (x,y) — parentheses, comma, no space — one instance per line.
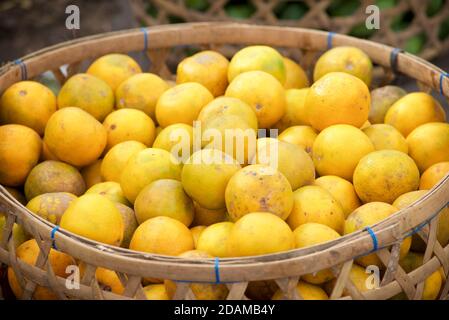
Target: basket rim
(397,222)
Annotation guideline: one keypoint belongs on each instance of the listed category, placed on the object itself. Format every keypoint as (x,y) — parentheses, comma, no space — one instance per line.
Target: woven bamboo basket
(285,268)
(317,16)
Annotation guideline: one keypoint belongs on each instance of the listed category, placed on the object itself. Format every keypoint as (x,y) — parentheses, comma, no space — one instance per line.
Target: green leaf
(415,44)
(402,21)
(434,7)
(361,31)
(240,11)
(386,4)
(343,8)
(293,11)
(199,5)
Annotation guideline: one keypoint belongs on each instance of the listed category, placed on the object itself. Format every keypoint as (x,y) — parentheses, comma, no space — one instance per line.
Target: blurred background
(418,26)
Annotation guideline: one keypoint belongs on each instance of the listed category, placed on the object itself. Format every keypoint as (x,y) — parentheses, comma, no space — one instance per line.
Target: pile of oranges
(238,157)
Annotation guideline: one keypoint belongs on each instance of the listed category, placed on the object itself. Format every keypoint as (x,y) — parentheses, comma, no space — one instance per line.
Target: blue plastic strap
(423,224)
(373,237)
(419,227)
(145,38)
(52,235)
(442,76)
(330,38)
(217,270)
(23,68)
(394,58)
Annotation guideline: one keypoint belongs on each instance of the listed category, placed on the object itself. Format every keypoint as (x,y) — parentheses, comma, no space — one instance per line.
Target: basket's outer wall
(284,267)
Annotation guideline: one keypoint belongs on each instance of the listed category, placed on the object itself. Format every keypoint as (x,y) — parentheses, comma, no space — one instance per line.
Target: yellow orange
(28,103)
(89,93)
(75,137)
(342,190)
(429,144)
(140,91)
(258,188)
(114,68)
(303,136)
(208,68)
(260,58)
(182,104)
(296,77)
(20,149)
(295,112)
(384,175)
(162,235)
(346,59)
(337,98)
(263,93)
(316,204)
(334,155)
(260,233)
(413,110)
(433,175)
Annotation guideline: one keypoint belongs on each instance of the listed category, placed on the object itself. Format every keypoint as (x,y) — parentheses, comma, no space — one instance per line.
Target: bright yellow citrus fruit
(263,93)
(208,68)
(182,104)
(140,91)
(94,217)
(316,204)
(145,167)
(287,158)
(205,176)
(295,112)
(384,175)
(20,148)
(260,58)
(310,234)
(129,124)
(162,235)
(342,190)
(28,103)
(429,144)
(337,98)
(223,106)
(334,155)
(258,188)
(75,137)
(214,239)
(296,77)
(302,136)
(433,175)
(114,68)
(89,93)
(386,137)
(164,197)
(259,233)
(413,110)
(346,59)
(117,157)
